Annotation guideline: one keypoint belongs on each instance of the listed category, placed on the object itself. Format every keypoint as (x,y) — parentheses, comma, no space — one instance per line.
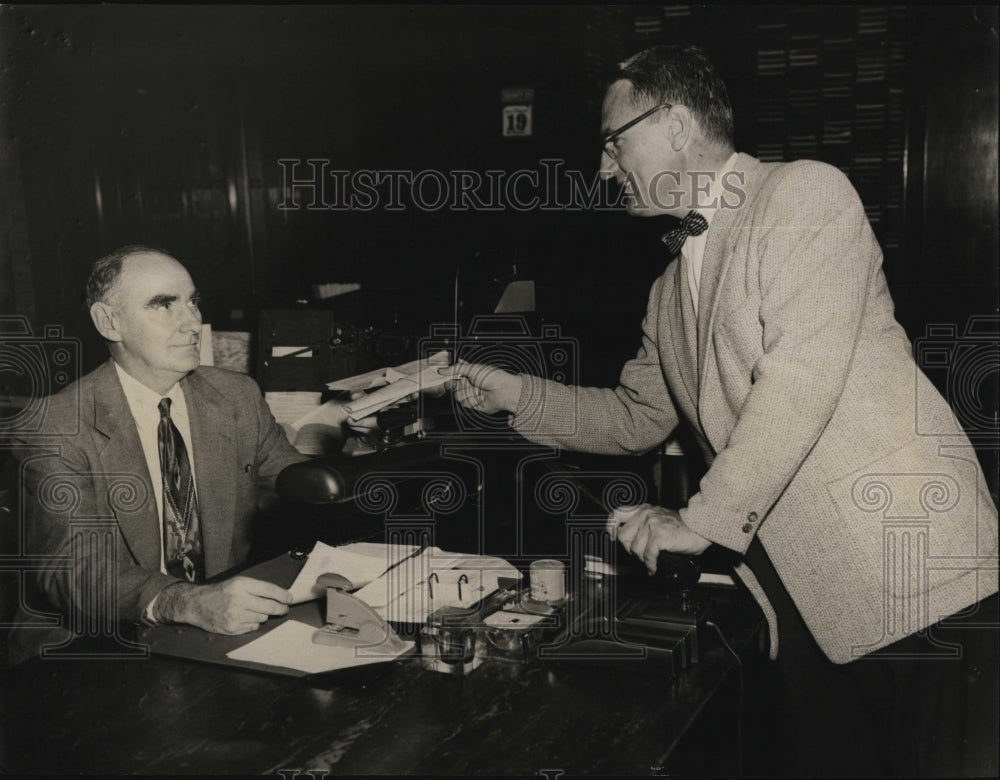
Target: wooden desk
(170,716)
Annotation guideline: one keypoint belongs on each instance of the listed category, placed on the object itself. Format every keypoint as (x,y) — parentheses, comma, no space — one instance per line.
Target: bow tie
(694,224)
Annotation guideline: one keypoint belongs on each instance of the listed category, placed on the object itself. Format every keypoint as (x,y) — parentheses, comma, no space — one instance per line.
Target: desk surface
(167,715)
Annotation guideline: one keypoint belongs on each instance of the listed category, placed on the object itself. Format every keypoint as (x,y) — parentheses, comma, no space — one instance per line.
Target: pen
(415,554)
(420,549)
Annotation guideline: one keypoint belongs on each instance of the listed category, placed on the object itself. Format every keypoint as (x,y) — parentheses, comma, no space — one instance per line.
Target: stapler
(349,621)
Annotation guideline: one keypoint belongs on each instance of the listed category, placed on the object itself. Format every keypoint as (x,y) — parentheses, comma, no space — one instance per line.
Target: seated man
(172,454)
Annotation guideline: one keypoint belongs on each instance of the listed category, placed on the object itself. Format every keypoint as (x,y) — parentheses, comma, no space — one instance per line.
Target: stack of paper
(290,645)
(390,385)
(401,583)
(289,408)
(400,388)
(380,377)
(315,429)
(418,586)
(360,563)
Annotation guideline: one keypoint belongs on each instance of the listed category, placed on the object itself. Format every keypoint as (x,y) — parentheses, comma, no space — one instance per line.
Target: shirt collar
(715,189)
(142,400)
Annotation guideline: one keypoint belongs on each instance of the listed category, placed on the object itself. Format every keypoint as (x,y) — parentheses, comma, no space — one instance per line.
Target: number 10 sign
(517,120)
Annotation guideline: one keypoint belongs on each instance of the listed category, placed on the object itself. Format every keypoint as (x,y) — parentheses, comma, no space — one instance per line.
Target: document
(411,591)
(400,388)
(390,385)
(290,645)
(360,563)
(381,377)
(315,429)
(289,410)
(320,430)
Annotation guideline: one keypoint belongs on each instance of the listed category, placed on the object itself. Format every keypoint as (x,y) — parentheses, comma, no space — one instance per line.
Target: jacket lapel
(682,322)
(716,264)
(216,462)
(121,454)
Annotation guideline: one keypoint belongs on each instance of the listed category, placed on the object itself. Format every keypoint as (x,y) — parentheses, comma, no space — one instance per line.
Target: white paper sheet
(360,562)
(288,406)
(402,594)
(384,376)
(290,645)
(400,388)
(504,619)
(408,576)
(299,352)
(320,430)
(205,346)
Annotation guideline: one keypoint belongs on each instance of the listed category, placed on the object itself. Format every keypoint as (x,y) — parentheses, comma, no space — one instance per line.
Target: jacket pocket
(915,515)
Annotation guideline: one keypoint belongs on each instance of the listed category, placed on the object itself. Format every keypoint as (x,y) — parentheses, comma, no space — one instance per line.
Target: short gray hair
(105,272)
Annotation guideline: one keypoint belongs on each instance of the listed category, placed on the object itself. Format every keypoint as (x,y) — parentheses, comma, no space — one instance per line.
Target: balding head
(105,271)
(145,305)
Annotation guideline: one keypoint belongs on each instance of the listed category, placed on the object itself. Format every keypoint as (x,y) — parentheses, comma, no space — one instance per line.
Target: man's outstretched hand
(483,388)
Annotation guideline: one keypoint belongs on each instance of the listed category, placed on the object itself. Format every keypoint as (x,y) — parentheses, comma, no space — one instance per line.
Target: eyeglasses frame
(608,140)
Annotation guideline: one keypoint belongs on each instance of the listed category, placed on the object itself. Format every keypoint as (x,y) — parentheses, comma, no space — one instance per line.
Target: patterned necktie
(182,550)
(694,224)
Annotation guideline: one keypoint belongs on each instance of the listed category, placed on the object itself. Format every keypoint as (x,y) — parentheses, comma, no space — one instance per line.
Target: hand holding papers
(401,583)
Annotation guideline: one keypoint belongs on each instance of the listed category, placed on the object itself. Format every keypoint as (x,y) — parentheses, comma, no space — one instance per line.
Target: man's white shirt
(693,247)
(143,404)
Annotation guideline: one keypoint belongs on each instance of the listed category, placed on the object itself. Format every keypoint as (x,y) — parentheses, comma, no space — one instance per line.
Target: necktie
(694,224)
(182,549)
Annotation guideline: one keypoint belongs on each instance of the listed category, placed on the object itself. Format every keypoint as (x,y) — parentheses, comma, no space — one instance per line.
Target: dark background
(164,125)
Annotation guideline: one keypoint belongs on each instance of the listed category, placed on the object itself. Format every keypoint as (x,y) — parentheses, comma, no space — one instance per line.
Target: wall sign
(516,115)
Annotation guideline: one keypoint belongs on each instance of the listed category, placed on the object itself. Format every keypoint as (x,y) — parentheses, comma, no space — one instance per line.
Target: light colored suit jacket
(822,435)
(86,467)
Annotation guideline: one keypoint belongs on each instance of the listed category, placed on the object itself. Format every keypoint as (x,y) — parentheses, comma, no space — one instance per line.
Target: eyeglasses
(609,140)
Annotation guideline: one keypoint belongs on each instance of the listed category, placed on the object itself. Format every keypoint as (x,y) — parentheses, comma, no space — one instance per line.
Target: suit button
(747,528)
(752,517)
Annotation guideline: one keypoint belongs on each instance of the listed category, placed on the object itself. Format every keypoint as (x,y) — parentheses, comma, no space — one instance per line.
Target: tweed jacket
(84,474)
(822,435)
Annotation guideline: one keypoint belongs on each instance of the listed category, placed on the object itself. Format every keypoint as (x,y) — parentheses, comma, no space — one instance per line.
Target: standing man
(174,452)
(835,469)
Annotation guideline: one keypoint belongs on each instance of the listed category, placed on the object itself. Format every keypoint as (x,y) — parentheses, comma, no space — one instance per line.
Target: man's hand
(483,388)
(645,530)
(235,606)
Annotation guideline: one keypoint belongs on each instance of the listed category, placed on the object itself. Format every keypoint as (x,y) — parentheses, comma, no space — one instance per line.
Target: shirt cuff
(147,613)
